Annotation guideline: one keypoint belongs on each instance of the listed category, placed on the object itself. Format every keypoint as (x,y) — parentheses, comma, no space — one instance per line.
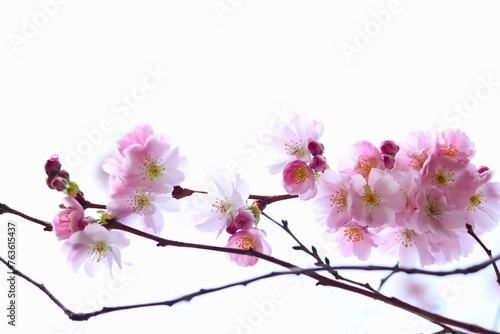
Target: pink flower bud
(64,174)
(389,161)
(318,163)
(315,147)
(389,147)
(52,166)
(57,183)
(244,220)
(482,169)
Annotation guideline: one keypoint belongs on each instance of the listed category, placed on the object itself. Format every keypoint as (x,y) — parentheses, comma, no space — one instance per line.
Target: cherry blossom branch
(85,316)
(180,192)
(4,208)
(321,280)
(488,251)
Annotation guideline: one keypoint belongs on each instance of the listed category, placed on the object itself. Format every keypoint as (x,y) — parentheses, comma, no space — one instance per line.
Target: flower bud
(52,166)
(57,183)
(64,174)
(315,147)
(482,169)
(389,161)
(389,147)
(318,163)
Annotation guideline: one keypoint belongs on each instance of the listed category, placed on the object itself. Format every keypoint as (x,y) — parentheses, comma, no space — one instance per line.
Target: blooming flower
(454,144)
(331,201)
(216,210)
(145,162)
(360,159)
(454,177)
(483,209)
(94,245)
(152,167)
(298,179)
(245,239)
(436,213)
(375,202)
(354,239)
(70,219)
(415,150)
(130,206)
(292,143)
(408,246)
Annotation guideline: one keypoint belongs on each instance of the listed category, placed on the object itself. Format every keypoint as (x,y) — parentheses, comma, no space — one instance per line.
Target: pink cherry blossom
(451,247)
(298,179)
(145,161)
(354,239)
(415,150)
(454,177)
(361,158)
(133,207)
(409,183)
(375,202)
(70,219)
(153,167)
(216,210)
(436,213)
(409,247)
(245,239)
(292,143)
(483,209)
(95,245)
(331,201)
(137,136)
(454,144)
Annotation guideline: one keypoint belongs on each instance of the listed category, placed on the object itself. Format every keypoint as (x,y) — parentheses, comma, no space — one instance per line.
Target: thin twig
(488,251)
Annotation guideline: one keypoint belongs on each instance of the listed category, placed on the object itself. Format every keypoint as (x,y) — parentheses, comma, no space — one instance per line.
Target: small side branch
(488,251)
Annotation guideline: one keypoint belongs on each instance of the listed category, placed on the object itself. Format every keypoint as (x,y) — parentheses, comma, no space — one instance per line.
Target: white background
(232,67)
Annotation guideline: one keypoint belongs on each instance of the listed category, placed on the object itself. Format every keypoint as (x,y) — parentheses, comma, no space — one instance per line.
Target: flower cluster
(85,240)
(301,155)
(142,176)
(413,199)
(225,209)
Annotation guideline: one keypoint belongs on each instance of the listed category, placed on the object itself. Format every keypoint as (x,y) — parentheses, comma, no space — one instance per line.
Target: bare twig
(488,251)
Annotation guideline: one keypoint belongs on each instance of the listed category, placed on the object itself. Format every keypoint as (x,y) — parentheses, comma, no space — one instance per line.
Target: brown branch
(321,280)
(6,209)
(296,271)
(488,251)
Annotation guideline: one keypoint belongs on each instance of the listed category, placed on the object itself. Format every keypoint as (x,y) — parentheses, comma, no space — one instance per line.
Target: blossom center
(443,178)
(220,206)
(452,151)
(152,168)
(432,210)
(353,234)
(99,250)
(245,243)
(417,160)
(475,201)
(364,166)
(299,175)
(370,197)
(339,200)
(295,149)
(139,203)
(406,237)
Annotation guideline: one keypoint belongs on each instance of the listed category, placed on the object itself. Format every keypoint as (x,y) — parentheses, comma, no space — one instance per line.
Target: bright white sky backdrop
(224,70)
